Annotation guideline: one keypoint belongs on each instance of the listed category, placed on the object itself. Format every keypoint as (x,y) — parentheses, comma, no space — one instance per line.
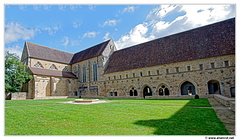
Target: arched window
(65,69)
(133,92)
(38,65)
(95,66)
(163,90)
(53,67)
(84,76)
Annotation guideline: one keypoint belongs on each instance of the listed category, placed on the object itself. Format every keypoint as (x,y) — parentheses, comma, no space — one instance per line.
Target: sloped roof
(45,53)
(203,42)
(89,53)
(47,72)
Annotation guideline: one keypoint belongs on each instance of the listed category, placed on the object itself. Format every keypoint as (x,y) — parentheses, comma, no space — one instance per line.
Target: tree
(15,73)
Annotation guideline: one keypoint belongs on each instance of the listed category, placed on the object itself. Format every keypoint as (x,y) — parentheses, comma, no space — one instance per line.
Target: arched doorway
(147,91)
(187,88)
(213,87)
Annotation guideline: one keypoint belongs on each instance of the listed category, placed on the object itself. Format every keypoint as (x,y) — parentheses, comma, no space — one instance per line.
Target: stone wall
(19,96)
(46,64)
(198,72)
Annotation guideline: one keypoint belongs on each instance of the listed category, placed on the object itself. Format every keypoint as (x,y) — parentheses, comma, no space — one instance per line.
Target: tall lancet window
(84,77)
(53,67)
(38,65)
(95,66)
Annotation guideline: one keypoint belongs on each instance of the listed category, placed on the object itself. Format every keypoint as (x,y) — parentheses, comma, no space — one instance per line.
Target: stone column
(53,86)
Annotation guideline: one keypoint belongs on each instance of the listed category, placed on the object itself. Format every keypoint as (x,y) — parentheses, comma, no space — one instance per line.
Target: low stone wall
(178,97)
(224,100)
(19,96)
(232,106)
(51,97)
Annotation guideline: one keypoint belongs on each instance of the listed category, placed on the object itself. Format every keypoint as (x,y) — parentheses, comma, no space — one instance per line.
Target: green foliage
(120,117)
(15,73)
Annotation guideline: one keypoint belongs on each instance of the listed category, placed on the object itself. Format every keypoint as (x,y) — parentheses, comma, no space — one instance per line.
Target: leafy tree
(15,73)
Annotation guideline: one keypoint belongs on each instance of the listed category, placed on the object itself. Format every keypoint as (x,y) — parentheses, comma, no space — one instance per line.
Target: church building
(199,61)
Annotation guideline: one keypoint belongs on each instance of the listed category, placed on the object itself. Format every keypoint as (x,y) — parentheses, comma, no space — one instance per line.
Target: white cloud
(65,41)
(106,36)
(129,9)
(37,7)
(91,7)
(15,31)
(15,49)
(110,22)
(161,11)
(158,23)
(62,7)
(51,30)
(76,24)
(22,7)
(135,36)
(90,34)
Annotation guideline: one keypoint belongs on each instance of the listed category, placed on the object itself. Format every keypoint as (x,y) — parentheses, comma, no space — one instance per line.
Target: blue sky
(73,28)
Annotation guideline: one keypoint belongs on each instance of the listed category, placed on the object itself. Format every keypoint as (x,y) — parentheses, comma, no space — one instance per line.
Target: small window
(212,65)
(120,76)
(201,66)
(126,75)
(141,74)
(133,74)
(149,72)
(167,71)
(226,63)
(158,72)
(188,68)
(115,94)
(177,69)
(114,77)
(111,94)
(109,78)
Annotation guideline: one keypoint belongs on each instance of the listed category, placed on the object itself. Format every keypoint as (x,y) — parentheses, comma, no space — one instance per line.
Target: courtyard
(116,117)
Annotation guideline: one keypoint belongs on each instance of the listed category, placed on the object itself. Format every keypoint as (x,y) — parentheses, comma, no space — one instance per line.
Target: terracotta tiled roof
(47,72)
(45,53)
(90,52)
(208,41)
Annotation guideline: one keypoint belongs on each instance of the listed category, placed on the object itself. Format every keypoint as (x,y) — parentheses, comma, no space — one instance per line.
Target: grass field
(120,117)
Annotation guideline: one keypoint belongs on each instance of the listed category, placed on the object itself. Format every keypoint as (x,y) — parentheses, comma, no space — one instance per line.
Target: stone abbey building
(198,61)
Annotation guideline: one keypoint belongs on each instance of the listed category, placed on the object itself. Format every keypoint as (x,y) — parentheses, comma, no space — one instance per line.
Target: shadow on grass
(188,121)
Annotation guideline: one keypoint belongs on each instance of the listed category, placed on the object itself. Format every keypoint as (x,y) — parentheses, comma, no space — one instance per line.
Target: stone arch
(188,88)
(163,89)
(132,91)
(213,87)
(147,91)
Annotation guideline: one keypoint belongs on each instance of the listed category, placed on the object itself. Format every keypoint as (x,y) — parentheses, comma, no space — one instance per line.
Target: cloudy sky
(73,28)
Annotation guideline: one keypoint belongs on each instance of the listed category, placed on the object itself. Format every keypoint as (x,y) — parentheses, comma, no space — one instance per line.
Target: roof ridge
(48,47)
(93,46)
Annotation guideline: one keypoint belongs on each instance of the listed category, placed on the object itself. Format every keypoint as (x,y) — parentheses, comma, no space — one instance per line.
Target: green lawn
(120,117)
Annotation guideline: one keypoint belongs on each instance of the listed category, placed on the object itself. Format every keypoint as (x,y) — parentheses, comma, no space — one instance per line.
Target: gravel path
(226,115)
